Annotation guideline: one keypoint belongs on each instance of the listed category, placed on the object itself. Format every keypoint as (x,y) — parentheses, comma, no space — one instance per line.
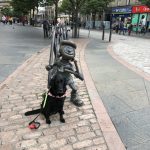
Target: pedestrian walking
(121,27)
(117,27)
(4,19)
(84,24)
(10,20)
(130,29)
(143,24)
(23,20)
(45,28)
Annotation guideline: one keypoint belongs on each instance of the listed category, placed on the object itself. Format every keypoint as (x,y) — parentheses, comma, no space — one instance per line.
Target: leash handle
(33,124)
(36,125)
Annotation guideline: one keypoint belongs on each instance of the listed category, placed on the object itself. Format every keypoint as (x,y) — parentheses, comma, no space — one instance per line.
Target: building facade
(140,17)
(124,2)
(50,12)
(3,4)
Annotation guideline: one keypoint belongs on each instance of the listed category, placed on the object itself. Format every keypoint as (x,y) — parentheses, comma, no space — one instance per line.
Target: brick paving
(22,92)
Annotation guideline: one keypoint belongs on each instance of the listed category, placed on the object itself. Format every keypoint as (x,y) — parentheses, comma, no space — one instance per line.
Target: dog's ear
(52,82)
(65,83)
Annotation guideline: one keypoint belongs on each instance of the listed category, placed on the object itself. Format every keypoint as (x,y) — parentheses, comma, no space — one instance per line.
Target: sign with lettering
(140,9)
(121,10)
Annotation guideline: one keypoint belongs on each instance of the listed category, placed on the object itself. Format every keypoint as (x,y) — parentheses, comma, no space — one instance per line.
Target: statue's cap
(67,42)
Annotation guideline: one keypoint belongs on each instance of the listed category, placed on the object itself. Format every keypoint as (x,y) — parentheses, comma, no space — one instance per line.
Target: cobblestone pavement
(23,92)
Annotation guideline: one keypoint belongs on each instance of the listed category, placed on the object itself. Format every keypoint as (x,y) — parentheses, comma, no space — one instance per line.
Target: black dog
(53,101)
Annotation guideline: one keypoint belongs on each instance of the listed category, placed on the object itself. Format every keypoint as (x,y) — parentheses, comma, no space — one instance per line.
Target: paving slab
(124,92)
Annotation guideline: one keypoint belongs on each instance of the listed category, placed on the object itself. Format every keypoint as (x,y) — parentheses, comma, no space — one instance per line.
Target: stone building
(124,2)
(3,4)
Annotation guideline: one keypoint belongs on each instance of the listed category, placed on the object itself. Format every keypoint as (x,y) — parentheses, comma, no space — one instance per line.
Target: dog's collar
(50,94)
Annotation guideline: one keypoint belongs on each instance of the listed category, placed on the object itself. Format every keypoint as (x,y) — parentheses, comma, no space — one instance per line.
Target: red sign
(140,9)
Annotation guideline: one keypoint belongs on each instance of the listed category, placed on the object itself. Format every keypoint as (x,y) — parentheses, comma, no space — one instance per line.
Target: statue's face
(69,51)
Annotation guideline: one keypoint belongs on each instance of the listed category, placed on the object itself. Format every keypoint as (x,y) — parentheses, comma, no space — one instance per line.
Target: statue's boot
(75,99)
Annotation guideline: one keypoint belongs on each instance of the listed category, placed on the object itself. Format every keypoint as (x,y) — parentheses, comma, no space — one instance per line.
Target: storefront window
(135,21)
(140,17)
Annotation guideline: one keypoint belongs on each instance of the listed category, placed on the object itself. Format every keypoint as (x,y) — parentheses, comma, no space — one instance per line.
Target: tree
(73,7)
(84,7)
(19,7)
(66,7)
(55,2)
(87,7)
(23,7)
(95,7)
(7,11)
(146,2)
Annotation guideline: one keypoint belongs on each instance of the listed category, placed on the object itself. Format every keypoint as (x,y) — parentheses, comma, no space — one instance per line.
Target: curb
(109,132)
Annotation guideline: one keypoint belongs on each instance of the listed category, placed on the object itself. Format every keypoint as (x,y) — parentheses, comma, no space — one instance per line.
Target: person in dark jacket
(45,28)
(121,27)
(130,29)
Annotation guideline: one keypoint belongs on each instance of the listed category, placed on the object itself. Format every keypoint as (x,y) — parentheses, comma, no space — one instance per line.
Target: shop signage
(140,9)
(119,10)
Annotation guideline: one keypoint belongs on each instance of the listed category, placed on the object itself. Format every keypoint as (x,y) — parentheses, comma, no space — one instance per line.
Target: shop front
(122,13)
(140,17)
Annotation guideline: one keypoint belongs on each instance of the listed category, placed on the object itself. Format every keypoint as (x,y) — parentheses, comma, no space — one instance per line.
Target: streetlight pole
(103,27)
(110,33)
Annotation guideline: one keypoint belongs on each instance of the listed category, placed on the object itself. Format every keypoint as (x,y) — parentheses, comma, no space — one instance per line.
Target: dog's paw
(62,120)
(48,121)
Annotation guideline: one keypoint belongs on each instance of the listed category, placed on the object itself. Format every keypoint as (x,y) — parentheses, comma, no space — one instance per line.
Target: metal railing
(57,34)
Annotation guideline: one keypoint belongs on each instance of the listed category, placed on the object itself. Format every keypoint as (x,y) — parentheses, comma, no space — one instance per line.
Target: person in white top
(143,21)
(3,19)
(143,24)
